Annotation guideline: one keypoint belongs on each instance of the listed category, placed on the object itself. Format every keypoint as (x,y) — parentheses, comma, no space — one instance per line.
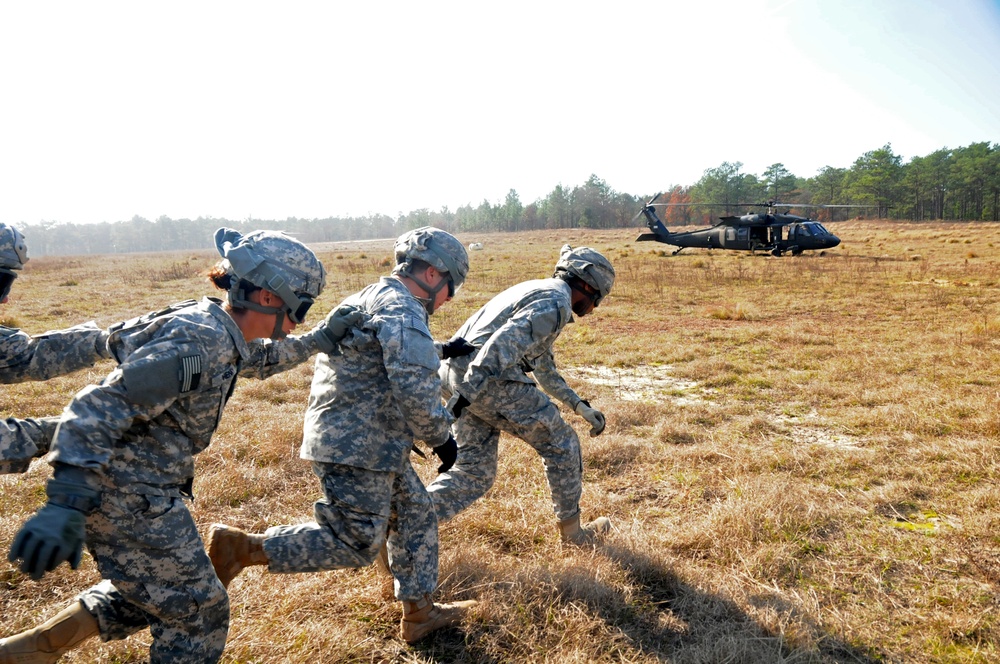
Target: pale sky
(312,109)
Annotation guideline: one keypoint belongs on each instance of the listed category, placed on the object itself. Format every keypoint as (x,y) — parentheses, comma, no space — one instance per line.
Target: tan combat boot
(48,642)
(232,549)
(424,616)
(588,534)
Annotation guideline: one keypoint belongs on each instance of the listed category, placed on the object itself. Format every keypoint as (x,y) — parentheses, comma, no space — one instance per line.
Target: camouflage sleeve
(269,357)
(23,440)
(552,381)
(52,354)
(146,383)
(528,333)
(411,364)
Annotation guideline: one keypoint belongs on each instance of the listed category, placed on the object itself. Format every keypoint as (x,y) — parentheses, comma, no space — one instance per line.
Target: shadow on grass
(677,622)
(642,612)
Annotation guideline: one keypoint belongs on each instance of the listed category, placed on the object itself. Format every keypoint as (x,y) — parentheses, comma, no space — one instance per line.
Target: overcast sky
(315,109)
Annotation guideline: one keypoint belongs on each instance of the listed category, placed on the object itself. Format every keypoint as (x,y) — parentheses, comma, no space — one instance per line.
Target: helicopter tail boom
(659,231)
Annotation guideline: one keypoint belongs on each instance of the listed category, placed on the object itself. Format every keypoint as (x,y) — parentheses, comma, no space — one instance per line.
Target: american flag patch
(190,372)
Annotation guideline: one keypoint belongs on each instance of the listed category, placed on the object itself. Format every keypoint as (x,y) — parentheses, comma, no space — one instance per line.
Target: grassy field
(800,462)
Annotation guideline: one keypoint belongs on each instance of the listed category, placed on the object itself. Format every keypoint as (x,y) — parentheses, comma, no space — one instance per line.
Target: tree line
(961,184)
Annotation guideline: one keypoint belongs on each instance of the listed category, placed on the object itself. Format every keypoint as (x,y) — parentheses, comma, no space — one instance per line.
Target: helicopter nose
(833,240)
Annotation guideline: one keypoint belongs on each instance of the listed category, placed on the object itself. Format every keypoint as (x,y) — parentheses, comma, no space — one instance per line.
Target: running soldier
(25,358)
(491,391)
(123,459)
(371,397)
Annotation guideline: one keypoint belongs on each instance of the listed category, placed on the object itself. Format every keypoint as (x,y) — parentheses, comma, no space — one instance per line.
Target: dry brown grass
(801,462)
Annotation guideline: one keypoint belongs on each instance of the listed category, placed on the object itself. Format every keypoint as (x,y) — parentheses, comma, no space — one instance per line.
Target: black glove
(448,453)
(457,347)
(456,404)
(56,533)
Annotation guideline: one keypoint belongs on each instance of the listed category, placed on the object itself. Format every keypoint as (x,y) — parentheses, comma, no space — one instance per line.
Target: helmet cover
(588,265)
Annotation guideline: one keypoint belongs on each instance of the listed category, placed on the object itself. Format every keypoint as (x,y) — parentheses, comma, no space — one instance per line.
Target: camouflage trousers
(358,508)
(522,410)
(158,576)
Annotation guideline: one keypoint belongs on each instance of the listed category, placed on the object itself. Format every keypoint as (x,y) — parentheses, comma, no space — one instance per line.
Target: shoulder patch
(190,373)
(160,378)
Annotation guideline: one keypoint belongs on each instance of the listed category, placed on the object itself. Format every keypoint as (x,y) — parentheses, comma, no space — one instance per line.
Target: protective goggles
(7,277)
(298,314)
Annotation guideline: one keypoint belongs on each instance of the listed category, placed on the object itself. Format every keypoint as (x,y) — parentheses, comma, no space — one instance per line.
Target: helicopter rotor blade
(648,204)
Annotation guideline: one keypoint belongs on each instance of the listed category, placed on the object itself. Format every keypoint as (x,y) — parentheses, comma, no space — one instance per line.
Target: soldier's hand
(331,331)
(448,453)
(456,404)
(592,415)
(457,347)
(55,534)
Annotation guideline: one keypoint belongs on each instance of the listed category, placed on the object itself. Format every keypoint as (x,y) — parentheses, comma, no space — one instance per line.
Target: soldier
(123,459)
(24,358)
(491,390)
(370,398)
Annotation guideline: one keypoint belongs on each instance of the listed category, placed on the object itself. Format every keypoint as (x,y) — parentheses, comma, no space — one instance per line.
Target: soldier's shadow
(658,614)
(677,622)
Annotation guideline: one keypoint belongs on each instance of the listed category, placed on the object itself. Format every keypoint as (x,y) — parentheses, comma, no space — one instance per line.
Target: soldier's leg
(531,416)
(116,617)
(149,547)
(413,538)
(474,471)
(98,611)
(350,523)
(413,559)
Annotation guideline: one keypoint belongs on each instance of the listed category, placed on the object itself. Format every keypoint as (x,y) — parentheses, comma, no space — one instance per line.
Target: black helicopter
(749,232)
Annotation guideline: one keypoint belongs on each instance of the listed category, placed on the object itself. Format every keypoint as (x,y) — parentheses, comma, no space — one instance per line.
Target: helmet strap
(428,302)
(576,283)
(239,300)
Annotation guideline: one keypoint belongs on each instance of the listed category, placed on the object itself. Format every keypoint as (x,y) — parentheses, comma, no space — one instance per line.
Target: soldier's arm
(23,440)
(528,333)
(268,357)
(145,384)
(552,382)
(411,363)
(53,353)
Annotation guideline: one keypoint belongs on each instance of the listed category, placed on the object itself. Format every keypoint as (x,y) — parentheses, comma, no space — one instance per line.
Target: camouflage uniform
(56,353)
(142,443)
(45,356)
(118,617)
(370,398)
(515,332)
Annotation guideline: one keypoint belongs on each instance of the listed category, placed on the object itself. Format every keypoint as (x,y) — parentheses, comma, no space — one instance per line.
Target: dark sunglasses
(589,291)
(451,287)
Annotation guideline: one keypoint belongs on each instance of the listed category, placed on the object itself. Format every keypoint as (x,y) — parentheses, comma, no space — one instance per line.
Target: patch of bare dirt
(643,382)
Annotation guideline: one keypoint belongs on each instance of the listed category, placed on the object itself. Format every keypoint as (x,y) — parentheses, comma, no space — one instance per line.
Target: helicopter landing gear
(776,251)
(677,251)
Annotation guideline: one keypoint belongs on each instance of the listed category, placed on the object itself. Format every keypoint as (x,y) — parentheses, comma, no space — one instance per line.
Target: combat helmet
(435,247)
(589,266)
(13,256)
(273,261)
